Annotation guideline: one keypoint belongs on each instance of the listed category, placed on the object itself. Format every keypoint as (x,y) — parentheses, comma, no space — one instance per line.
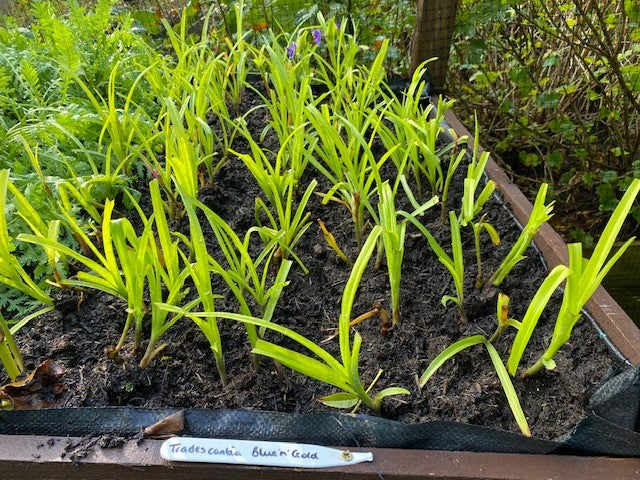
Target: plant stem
(497,333)
(151,352)
(533,369)
(357,219)
(463,317)
(368,401)
(125,330)
(222,371)
(476,234)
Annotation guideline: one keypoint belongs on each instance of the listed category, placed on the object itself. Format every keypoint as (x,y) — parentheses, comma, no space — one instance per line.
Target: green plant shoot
(585,277)
(471,206)
(165,279)
(392,237)
(200,271)
(286,221)
(540,214)
(525,329)
(349,164)
(503,375)
(325,368)
(478,227)
(10,356)
(119,269)
(248,276)
(39,227)
(454,263)
(11,272)
(531,316)
(452,167)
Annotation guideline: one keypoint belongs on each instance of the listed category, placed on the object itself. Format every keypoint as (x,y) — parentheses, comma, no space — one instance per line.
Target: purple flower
(317,36)
(291,50)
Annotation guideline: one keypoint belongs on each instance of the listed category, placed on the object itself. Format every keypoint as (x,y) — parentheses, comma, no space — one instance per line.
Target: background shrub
(556,87)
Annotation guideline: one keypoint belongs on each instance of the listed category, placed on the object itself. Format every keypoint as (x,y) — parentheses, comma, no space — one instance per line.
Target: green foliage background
(556,87)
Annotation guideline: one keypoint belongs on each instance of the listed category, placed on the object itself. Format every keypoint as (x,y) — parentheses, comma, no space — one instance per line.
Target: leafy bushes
(556,86)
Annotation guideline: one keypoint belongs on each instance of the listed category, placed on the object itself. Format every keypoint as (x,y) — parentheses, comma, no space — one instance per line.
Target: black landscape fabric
(612,428)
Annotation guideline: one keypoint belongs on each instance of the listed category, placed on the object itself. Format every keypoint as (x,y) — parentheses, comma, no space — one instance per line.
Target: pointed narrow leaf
(388,392)
(446,354)
(302,363)
(349,294)
(530,319)
(510,392)
(340,400)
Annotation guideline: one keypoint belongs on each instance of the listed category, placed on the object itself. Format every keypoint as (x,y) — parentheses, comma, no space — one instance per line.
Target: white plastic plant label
(247,452)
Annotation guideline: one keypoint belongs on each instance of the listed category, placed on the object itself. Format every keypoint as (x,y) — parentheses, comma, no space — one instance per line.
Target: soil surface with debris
(466,389)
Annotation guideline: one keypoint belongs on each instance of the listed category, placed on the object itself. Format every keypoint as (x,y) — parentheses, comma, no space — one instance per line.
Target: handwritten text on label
(246,452)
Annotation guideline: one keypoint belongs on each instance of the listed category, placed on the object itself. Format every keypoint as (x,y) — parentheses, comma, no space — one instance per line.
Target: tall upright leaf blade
(349,294)
(609,235)
(531,316)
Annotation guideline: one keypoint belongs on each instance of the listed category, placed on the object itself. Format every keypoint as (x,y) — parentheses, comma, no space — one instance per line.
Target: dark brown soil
(466,388)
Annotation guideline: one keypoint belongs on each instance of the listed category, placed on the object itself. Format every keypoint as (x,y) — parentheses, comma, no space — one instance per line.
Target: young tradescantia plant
(537,305)
(478,227)
(393,235)
(11,272)
(343,374)
(38,226)
(472,205)
(586,276)
(347,159)
(10,356)
(125,264)
(415,129)
(540,214)
(285,68)
(453,263)
(200,268)
(247,275)
(14,276)
(287,222)
(582,278)
(352,87)
(165,277)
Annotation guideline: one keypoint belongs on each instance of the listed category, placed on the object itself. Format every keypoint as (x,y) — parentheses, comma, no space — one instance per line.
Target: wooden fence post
(432,36)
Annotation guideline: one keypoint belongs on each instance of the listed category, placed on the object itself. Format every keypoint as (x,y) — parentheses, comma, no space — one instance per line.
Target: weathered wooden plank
(33,457)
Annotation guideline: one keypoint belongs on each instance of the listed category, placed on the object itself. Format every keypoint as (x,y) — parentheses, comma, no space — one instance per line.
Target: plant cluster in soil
(79,331)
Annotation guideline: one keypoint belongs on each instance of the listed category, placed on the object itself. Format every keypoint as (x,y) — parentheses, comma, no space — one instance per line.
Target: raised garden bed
(35,455)
(465,390)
